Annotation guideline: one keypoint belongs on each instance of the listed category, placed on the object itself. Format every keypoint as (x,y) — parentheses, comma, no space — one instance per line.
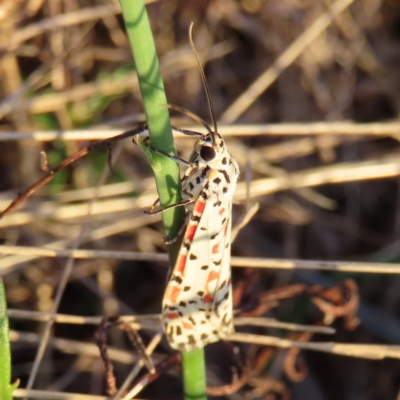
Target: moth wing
(222,310)
(197,306)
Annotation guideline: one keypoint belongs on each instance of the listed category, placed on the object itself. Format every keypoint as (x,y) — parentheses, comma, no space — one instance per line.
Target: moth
(197,307)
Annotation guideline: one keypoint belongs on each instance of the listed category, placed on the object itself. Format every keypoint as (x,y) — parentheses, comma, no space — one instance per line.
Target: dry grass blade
(153,321)
(382,167)
(48,395)
(73,346)
(370,351)
(315,128)
(247,262)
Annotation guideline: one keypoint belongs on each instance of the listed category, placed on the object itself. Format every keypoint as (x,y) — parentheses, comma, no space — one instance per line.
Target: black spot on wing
(205,171)
(177,279)
(217,180)
(192,257)
(204,195)
(195,218)
(225,174)
(191,339)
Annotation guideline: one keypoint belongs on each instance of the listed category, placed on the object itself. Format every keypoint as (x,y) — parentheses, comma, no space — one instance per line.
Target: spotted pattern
(197,305)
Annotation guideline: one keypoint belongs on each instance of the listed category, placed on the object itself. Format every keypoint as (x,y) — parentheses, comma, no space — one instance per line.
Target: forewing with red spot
(197,306)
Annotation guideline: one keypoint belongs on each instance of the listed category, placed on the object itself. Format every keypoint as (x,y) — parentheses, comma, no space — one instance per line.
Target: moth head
(210,147)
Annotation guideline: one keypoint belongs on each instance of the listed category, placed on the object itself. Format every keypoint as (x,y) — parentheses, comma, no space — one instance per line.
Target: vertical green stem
(152,88)
(165,170)
(194,375)
(6,390)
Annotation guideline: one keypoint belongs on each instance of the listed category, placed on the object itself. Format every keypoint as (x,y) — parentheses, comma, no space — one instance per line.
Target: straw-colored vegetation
(307,95)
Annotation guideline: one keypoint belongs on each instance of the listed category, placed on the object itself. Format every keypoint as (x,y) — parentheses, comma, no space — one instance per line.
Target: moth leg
(181,203)
(179,234)
(163,153)
(150,210)
(187,132)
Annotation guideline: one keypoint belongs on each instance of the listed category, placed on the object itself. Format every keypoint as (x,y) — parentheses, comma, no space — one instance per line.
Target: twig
(49,176)
(233,387)
(161,367)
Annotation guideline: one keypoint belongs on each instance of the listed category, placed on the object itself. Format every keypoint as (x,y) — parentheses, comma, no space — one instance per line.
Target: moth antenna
(189,114)
(203,78)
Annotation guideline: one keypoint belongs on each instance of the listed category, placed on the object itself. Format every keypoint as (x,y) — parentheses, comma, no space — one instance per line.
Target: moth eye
(207,153)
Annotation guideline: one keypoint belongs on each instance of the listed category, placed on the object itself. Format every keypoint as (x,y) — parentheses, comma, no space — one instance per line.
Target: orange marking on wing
(172,316)
(221,211)
(208,299)
(215,249)
(212,276)
(173,293)
(199,207)
(192,228)
(186,325)
(191,231)
(181,264)
(226,229)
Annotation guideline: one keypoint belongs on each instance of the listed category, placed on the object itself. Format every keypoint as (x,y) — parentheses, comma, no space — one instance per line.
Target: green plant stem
(6,390)
(152,89)
(194,374)
(165,170)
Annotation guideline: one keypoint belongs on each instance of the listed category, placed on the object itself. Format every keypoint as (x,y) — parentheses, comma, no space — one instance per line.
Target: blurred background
(67,65)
